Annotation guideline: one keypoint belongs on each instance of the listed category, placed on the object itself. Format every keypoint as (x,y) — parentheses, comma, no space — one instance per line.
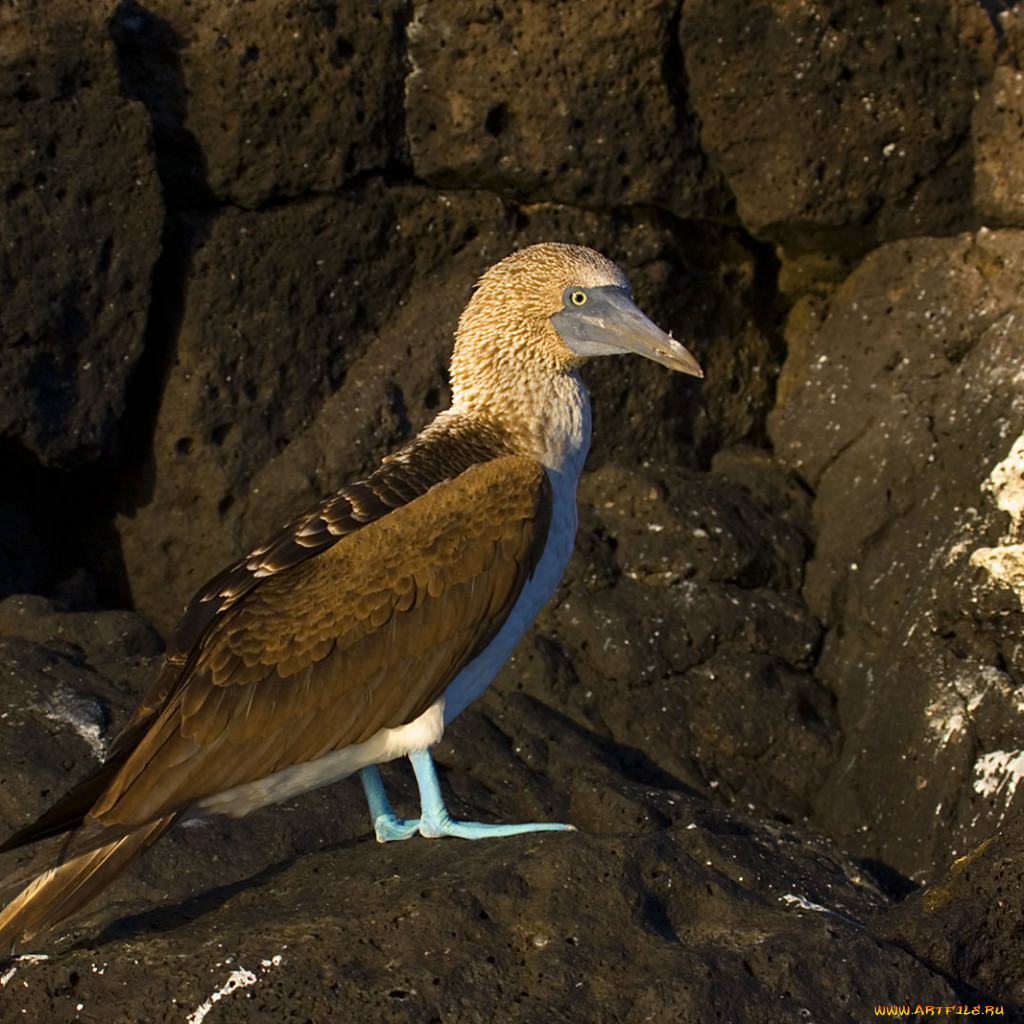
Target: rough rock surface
(780,687)
(80,227)
(604,122)
(711,908)
(916,466)
(258,102)
(943,927)
(998,125)
(823,117)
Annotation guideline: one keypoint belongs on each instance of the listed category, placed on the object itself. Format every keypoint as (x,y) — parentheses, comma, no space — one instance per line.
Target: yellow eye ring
(578,298)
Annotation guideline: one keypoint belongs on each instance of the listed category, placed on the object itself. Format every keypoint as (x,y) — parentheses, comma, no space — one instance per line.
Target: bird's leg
(386,823)
(436,821)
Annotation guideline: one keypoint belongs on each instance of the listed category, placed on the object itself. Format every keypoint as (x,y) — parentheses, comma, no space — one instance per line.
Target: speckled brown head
(547,308)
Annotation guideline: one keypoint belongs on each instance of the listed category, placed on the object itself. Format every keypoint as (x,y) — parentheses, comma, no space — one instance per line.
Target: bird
(361,628)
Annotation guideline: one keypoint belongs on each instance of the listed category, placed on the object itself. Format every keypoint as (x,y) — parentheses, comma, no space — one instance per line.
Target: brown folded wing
(366,635)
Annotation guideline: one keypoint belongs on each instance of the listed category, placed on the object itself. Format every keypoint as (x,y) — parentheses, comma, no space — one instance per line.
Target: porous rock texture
(779,691)
(919,493)
(80,223)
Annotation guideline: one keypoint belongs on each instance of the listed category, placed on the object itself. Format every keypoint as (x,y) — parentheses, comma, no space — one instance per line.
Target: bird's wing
(397,482)
(322,655)
(320,527)
(53,889)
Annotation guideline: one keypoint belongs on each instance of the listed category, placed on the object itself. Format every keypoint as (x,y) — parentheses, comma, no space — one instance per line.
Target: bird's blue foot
(386,823)
(434,820)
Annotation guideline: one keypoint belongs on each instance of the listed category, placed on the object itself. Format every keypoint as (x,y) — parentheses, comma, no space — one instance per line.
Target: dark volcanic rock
(80,222)
(901,404)
(837,126)
(67,680)
(998,129)
(685,636)
(970,924)
(278,305)
(541,103)
(259,102)
(713,919)
(296,911)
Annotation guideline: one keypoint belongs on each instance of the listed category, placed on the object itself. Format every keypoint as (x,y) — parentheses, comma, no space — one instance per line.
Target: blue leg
(386,823)
(436,821)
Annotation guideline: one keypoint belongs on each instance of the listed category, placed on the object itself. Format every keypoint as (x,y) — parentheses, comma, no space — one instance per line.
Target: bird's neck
(545,416)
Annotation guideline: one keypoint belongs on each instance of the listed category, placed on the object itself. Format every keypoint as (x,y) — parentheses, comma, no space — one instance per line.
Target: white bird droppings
(236,979)
(998,773)
(1005,485)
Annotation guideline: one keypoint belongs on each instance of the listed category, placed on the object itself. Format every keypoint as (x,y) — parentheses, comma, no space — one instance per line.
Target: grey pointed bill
(606,321)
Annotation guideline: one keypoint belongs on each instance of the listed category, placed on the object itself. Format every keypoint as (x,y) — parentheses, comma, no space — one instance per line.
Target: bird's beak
(610,323)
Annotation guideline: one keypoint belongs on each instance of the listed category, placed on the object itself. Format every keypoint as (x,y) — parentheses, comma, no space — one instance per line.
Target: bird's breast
(471,682)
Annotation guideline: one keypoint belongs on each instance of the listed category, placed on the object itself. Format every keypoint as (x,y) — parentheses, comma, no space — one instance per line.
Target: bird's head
(552,306)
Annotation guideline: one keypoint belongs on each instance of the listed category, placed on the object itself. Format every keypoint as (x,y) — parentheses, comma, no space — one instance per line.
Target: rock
(80,221)
(943,928)
(549,927)
(269,328)
(295,910)
(539,104)
(67,680)
(998,127)
(687,640)
(827,123)
(256,103)
(900,405)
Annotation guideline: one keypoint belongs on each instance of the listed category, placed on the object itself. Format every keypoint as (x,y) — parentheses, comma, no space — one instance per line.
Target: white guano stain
(1005,486)
(25,958)
(998,773)
(240,978)
(792,899)
(804,903)
(953,709)
(65,707)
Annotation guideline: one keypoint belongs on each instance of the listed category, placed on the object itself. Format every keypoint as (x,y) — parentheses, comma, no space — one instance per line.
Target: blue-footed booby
(365,625)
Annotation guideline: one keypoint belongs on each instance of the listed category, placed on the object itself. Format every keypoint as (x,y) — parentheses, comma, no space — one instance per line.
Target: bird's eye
(578,298)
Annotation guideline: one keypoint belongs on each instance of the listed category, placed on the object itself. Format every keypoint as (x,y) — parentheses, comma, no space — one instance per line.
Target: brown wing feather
(363,637)
(65,886)
(402,478)
(427,461)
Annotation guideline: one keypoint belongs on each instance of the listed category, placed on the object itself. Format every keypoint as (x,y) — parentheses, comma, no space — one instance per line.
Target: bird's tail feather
(56,892)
